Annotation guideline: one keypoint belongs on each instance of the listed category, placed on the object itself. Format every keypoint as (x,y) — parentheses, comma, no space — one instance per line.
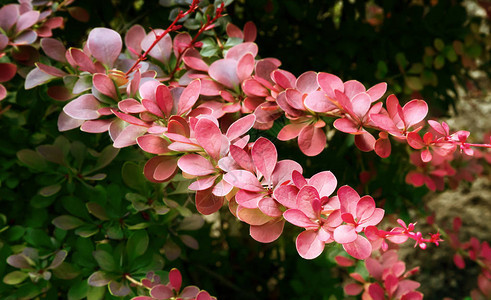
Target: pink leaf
(78,13)
(8,16)
(161,291)
(305,197)
(245,66)
(308,245)
(295,99)
(3,92)
(284,79)
(83,108)
(209,137)
(290,131)
(224,71)
(382,147)
(268,232)
(361,104)
(65,122)
(352,88)
(283,171)
(128,136)
(345,234)
(242,158)
(196,165)
(203,184)
(377,91)
(265,156)
(240,127)
(346,125)
(133,39)
(54,49)
(348,199)
(234,31)
(250,32)
(414,112)
(353,289)
(163,49)
(105,45)
(175,279)
(269,207)
(365,141)
(50,70)
(26,20)
(414,140)
(286,195)
(152,108)
(130,106)
(307,82)
(243,180)
(359,249)
(207,203)
(160,168)
(105,85)
(96,126)
(77,56)
(298,218)
(248,199)
(237,51)
(35,77)
(365,208)
(189,97)
(193,60)
(153,144)
(318,102)
(329,83)
(376,292)
(311,140)
(325,182)
(7,72)
(344,261)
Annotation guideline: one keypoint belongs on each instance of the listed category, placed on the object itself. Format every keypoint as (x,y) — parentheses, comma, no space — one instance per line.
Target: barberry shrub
(134,150)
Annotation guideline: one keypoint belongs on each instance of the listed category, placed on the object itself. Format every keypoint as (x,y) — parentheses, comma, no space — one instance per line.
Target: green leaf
(32,159)
(51,153)
(439,62)
(87,230)
(416,68)
(193,222)
(67,222)
(15,232)
(401,60)
(66,271)
(97,210)
(137,244)
(96,293)
(78,151)
(115,232)
(107,155)
(15,277)
(439,44)
(104,260)
(133,176)
(50,190)
(414,83)
(78,290)
(192,24)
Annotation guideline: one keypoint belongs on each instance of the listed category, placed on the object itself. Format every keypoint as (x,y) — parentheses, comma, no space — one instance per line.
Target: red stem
(172,27)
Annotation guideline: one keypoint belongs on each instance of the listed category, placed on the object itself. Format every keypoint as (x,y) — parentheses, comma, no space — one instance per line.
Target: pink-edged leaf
(245,66)
(308,245)
(7,71)
(222,188)
(193,60)
(414,140)
(196,165)
(224,71)
(190,291)
(189,97)
(237,51)
(161,291)
(242,158)
(268,232)
(359,249)
(353,289)
(54,49)
(26,20)
(377,91)
(128,136)
(3,92)
(325,182)
(352,88)
(96,126)
(207,203)
(175,279)
(133,39)
(203,295)
(105,85)
(298,218)
(243,180)
(345,234)
(153,144)
(414,112)
(264,156)
(160,168)
(209,137)
(348,199)
(383,147)
(290,131)
(318,102)
(329,83)
(240,127)
(365,141)
(286,195)
(83,108)
(269,207)
(311,140)
(105,45)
